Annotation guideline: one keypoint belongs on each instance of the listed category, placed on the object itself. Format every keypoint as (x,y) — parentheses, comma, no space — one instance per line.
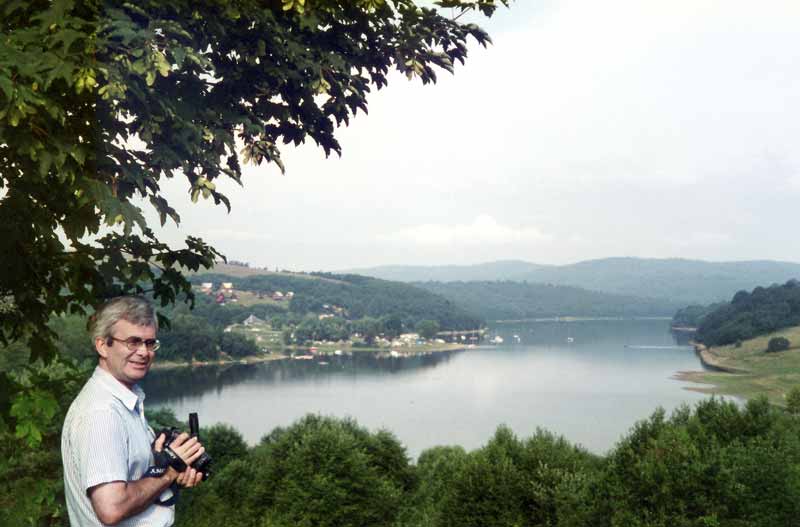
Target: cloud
(589,129)
(235,235)
(484,230)
(703,239)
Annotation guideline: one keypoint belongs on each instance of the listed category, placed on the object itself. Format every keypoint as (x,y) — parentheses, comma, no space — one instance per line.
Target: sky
(588,130)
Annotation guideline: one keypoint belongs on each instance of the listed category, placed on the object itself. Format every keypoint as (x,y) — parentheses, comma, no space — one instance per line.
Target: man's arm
(116,500)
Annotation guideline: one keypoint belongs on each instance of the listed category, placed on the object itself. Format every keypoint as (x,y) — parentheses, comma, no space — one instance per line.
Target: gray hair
(133,309)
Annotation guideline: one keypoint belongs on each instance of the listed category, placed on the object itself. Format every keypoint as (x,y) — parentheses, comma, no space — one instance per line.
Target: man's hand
(189,450)
(189,478)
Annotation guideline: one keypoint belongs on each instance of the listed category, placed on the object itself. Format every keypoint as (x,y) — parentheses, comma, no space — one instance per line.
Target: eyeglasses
(134,343)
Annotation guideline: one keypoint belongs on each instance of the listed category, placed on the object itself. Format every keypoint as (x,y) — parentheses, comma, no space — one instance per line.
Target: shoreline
(571,318)
(253,359)
(258,359)
(711,362)
(746,370)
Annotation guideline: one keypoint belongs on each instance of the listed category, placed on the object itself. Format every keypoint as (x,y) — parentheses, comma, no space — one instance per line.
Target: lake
(587,380)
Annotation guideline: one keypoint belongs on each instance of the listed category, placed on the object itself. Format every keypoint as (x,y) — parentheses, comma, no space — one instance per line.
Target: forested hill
(514,300)
(360,296)
(677,280)
(748,315)
(491,271)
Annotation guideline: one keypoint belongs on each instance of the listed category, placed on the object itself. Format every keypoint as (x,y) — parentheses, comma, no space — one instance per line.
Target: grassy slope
(770,374)
(238,271)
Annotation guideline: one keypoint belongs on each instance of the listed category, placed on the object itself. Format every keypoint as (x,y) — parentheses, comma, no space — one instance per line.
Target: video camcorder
(168,457)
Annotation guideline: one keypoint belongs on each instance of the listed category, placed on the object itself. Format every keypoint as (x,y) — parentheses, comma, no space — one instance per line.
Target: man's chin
(138,371)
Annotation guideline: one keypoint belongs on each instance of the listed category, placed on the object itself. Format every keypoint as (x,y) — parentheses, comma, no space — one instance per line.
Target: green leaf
(162,64)
(78,154)
(67,37)
(13,117)
(34,411)
(7,86)
(178,54)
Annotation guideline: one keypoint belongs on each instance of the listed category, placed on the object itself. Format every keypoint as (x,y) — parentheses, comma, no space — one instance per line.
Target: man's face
(127,366)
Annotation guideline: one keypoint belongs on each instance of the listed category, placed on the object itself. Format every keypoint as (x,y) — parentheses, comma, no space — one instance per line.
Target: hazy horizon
(253,265)
(586,131)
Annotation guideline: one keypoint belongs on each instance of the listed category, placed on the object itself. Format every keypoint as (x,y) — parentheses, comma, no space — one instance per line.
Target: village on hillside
(275,337)
(225,293)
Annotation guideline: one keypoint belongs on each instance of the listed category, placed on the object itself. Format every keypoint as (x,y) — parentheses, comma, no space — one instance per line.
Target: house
(227,287)
(409,338)
(277,295)
(252,320)
(207,287)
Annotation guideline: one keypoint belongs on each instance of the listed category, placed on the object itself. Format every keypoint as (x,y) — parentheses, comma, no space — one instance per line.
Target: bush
(793,401)
(224,444)
(540,481)
(324,471)
(719,465)
(778,344)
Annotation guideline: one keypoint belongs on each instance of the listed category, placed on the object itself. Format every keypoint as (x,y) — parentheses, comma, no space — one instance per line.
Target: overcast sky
(589,129)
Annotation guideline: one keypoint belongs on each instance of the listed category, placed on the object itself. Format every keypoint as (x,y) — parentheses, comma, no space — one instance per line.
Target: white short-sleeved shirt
(106,438)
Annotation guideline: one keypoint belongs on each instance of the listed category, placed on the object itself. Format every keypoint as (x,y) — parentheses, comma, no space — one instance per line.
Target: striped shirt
(106,438)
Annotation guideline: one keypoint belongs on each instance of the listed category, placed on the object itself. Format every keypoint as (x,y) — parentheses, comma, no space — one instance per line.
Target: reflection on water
(587,380)
(165,387)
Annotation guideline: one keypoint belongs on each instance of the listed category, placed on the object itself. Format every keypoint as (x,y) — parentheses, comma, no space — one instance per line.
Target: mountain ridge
(679,280)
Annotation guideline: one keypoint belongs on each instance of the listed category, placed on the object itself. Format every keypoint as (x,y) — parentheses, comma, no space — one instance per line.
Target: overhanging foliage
(99,101)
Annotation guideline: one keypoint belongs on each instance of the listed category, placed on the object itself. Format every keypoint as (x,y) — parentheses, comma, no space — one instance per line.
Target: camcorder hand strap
(157,472)
(162,461)
(168,458)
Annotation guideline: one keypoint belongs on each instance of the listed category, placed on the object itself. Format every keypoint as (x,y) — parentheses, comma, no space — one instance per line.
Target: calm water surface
(587,380)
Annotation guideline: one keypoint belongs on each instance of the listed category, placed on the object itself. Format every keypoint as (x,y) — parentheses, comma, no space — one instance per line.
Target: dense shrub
(225,444)
(539,481)
(793,401)
(721,465)
(31,475)
(778,344)
(718,464)
(320,471)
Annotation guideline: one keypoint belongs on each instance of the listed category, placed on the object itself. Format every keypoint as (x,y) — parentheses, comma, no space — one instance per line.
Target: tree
(392,325)
(99,101)
(225,444)
(776,344)
(276,322)
(369,328)
(237,345)
(427,328)
(325,471)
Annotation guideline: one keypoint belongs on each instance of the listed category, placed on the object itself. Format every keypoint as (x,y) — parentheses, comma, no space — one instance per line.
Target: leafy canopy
(99,101)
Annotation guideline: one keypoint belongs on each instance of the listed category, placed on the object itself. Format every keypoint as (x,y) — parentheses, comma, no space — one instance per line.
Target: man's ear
(101,346)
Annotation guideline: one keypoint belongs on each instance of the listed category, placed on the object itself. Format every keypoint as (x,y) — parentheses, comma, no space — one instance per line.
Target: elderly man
(106,444)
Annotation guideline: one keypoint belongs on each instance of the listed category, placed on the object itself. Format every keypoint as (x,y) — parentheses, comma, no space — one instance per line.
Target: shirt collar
(128,397)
